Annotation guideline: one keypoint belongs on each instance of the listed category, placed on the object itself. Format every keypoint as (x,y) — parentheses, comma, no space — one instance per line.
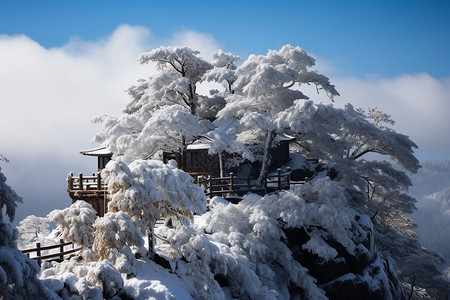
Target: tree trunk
(192,107)
(151,242)
(266,159)
(192,104)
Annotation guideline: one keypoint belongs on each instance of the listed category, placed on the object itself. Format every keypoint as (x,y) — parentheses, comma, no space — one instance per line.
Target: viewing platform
(91,189)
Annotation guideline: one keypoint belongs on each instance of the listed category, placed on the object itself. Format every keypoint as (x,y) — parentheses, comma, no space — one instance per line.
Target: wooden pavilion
(195,160)
(91,189)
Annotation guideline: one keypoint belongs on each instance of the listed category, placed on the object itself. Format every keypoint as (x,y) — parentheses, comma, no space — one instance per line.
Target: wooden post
(80,183)
(248,183)
(231,182)
(61,250)
(210,186)
(99,181)
(306,179)
(70,181)
(288,177)
(38,253)
(279,179)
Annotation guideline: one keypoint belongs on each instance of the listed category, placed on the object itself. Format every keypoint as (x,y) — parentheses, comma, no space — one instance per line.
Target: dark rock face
(301,174)
(309,172)
(366,274)
(378,281)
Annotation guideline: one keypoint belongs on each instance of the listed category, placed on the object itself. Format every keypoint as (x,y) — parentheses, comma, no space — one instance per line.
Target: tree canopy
(265,95)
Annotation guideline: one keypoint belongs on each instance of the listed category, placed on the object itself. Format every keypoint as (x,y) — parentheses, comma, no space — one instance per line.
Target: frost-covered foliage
(18,273)
(149,189)
(184,68)
(75,279)
(137,136)
(75,222)
(97,280)
(8,197)
(262,98)
(114,234)
(263,87)
(107,278)
(145,189)
(32,229)
(164,111)
(224,71)
(247,243)
(417,266)
(376,115)
(342,137)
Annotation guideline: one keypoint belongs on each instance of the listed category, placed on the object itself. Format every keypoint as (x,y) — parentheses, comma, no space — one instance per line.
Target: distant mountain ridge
(431,188)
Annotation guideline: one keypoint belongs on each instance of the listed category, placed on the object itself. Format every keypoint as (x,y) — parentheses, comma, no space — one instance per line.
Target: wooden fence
(58,255)
(91,189)
(85,183)
(223,186)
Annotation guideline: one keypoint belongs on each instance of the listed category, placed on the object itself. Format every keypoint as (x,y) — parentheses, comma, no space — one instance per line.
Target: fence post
(279,179)
(231,182)
(99,181)
(210,186)
(70,181)
(80,179)
(61,250)
(288,177)
(38,252)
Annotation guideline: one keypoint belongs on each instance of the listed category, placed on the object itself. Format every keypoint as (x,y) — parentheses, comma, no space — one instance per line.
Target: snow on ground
(151,280)
(155,282)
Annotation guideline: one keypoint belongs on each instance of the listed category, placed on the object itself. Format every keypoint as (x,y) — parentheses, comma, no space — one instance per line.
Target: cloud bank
(418,103)
(48,97)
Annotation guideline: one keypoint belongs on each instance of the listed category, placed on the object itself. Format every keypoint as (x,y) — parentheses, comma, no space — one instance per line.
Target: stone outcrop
(366,274)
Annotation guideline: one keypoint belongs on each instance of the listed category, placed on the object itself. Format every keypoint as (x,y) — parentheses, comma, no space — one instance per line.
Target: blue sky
(360,37)
(64,62)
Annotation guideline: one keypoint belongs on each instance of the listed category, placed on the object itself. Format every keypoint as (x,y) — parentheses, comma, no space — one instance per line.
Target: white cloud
(202,42)
(419,104)
(48,97)
(51,94)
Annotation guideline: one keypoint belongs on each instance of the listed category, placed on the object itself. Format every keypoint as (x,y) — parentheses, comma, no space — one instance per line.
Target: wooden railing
(222,186)
(59,256)
(85,183)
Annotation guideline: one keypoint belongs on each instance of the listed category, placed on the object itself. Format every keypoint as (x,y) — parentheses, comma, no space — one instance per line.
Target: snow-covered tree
(75,223)
(18,273)
(107,278)
(147,189)
(224,71)
(264,97)
(259,247)
(264,86)
(32,229)
(180,70)
(344,138)
(133,136)
(114,235)
(8,197)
